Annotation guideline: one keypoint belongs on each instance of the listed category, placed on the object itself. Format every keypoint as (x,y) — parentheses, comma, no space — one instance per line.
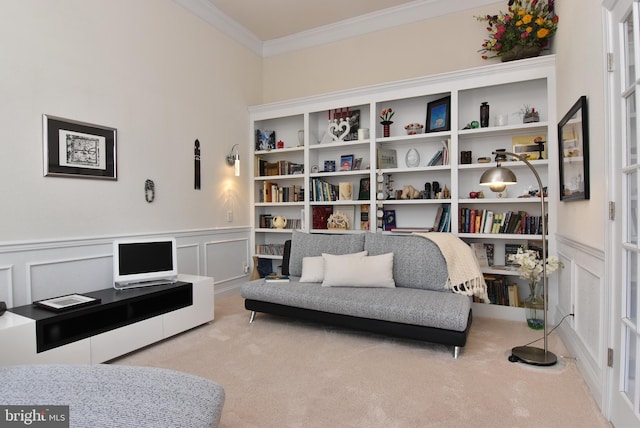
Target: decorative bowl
(414,128)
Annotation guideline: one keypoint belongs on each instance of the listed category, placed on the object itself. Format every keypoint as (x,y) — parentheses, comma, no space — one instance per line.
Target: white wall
(424,48)
(580,71)
(149,68)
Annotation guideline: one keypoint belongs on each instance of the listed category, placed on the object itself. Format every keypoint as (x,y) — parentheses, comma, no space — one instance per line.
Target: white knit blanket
(465,276)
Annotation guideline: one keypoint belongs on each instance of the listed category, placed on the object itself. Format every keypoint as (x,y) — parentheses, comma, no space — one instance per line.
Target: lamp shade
(498,178)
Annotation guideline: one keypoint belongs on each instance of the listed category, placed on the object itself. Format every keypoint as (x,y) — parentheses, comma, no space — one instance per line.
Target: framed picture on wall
(573,141)
(439,115)
(78,149)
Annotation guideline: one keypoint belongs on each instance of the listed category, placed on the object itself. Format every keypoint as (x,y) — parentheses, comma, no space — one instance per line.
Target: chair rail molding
(38,270)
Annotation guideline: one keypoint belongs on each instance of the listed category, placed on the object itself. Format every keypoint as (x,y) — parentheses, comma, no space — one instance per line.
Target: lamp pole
(529,354)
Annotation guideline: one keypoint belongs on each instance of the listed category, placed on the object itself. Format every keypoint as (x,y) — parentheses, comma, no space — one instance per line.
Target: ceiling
(273,19)
(272,27)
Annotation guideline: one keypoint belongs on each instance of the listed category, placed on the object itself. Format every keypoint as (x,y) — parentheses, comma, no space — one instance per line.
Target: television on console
(144,262)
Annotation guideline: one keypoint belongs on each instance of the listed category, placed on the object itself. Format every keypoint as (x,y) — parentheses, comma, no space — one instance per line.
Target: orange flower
(527,18)
(542,33)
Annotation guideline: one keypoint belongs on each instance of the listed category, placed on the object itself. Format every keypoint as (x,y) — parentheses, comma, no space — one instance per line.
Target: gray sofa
(418,307)
(105,395)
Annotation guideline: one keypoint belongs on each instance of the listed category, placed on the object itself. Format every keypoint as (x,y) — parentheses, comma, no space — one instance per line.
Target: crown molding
(216,18)
(417,10)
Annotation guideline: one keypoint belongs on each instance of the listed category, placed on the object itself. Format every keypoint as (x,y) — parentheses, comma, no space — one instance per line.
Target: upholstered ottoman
(116,396)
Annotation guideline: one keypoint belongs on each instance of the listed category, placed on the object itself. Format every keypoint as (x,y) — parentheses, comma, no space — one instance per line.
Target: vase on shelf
(520,52)
(534,309)
(386,128)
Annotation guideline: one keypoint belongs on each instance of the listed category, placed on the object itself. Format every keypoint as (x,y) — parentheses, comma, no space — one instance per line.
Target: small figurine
(410,192)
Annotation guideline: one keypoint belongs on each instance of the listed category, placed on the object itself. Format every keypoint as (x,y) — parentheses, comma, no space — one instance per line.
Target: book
(364,192)
(364,217)
(389,221)
(436,223)
(514,299)
(510,249)
(274,277)
(411,229)
(481,253)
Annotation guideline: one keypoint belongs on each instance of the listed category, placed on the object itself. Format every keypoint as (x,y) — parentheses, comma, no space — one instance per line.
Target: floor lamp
(497,178)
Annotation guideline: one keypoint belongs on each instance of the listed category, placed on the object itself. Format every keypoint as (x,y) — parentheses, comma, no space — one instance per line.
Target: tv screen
(144,262)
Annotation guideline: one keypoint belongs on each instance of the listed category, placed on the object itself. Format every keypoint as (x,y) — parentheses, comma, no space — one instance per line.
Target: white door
(624,30)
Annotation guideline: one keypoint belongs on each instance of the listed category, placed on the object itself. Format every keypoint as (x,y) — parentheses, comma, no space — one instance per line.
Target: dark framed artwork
(265,139)
(573,142)
(78,149)
(346,162)
(439,115)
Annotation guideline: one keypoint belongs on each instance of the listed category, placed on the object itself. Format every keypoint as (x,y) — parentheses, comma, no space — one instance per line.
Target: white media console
(122,322)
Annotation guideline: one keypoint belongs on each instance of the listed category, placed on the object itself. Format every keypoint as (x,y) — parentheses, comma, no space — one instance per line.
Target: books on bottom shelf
(500,291)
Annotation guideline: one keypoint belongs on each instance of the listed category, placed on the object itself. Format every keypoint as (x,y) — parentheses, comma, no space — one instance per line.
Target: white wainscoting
(582,292)
(39,270)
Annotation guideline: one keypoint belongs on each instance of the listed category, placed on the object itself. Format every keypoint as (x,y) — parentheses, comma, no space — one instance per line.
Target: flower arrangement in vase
(530,267)
(386,116)
(522,32)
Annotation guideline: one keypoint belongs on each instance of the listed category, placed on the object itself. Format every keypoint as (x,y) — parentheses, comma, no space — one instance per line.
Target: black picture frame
(439,115)
(573,148)
(346,162)
(78,149)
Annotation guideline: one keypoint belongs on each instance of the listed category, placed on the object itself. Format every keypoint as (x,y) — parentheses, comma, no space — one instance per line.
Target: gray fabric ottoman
(116,396)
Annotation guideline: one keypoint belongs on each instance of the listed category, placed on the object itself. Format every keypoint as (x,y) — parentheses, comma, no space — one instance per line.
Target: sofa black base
(457,339)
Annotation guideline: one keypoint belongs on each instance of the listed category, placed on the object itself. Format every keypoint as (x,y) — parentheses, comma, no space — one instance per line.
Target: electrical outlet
(229,216)
(245,267)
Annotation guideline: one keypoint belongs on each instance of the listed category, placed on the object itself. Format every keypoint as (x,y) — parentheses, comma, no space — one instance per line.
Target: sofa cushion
(417,261)
(449,311)
(307,245)
(313,267)
(348,271)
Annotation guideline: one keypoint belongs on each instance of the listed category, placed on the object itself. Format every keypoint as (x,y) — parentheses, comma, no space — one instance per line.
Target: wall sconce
(233,159)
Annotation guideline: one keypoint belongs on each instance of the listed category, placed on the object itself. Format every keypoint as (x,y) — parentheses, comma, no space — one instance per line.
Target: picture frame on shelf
(78,149)
(265,139)
(353,118)
(346,162)
(439,115)
(534,146)
(389,219)
(364,192)
(329,166)
(573,141)
(357,164)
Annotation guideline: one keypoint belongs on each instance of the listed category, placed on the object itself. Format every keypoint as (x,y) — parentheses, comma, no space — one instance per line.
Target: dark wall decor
(78,149)
(439,115)
(573,141)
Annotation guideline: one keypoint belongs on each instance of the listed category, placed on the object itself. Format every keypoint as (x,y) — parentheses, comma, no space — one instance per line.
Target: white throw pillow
(313,267)
(370,271)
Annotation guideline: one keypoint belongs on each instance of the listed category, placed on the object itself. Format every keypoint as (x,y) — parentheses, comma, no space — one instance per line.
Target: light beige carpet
(283,373)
